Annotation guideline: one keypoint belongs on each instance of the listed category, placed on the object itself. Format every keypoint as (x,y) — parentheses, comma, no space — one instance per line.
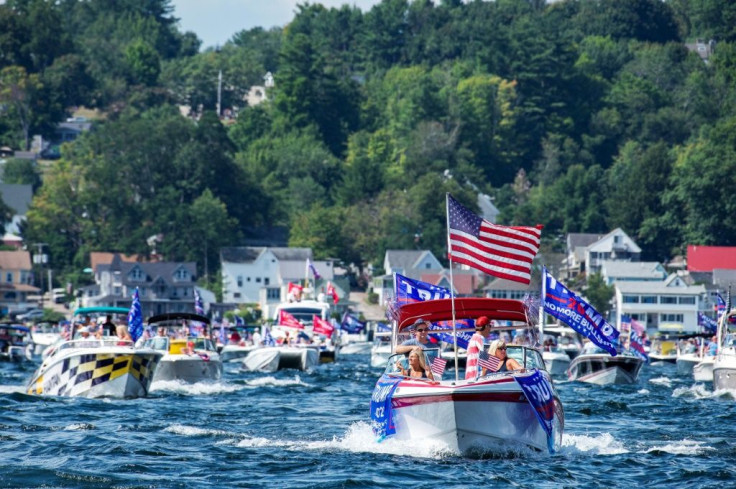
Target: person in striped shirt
(475,345)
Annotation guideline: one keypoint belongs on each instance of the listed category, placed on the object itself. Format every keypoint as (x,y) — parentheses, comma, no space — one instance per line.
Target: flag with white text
(135,317)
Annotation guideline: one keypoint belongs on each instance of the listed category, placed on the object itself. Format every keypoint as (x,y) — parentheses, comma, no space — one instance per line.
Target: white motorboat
(96,368)
(186,358)
(703,370)
(686,362)
(44,335)
(236,353)
(273,358)
(596,366)
(16,343)
(381,349)
(491,413)
(556,360)
(724,365)
(565,338)
(356,348)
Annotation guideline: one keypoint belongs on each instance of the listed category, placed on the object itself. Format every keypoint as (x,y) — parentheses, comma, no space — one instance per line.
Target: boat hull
(604,369)
(489,415)
(189,368)
(703,371)
(271,359)
(686,362)
(96,374)
(557,363)
(356,348)
(235,353)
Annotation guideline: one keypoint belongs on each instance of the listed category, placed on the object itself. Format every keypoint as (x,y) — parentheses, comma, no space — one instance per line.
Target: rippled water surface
(310,429)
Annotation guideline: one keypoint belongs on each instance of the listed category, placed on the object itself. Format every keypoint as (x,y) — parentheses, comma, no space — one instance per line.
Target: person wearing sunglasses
(421,339)
(498,349)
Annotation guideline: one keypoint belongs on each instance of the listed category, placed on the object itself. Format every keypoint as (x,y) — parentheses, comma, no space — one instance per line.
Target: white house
(577,244)
(642,271)
(616,245)
(409,263)
(667,306)
(260,274)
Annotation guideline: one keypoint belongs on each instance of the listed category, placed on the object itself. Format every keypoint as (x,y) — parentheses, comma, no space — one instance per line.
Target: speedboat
(492,412)
(703,370)
(381,349)
(96,368)
(356,348)
(596,366)
(236,353)
(566,338)
(556,360)
(273,358)
(724,365)
(663,350)
(44,335)
(187,357)
(16,343)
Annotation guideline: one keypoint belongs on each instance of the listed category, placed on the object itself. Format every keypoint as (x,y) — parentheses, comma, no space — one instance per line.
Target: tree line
(582,115)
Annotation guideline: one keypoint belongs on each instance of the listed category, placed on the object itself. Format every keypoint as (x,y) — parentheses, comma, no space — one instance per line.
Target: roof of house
(15,260)
(97,258)
(17,196)
(462,280)
(575,240)
(706,258)
(644,269)
(248,254)
(658,288)
(163,270)
(602,246)
(724,277)
(503,284)
(405,259)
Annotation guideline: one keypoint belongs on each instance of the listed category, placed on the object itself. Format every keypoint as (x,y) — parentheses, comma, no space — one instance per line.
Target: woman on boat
(498,349)
(417,367)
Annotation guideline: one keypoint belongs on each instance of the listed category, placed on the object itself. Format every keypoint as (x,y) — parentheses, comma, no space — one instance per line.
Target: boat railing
(94,343)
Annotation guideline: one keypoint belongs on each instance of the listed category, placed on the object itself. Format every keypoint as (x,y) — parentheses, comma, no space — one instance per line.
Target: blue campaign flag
(538,392)
(637,346)
(198,307)
(268,339)
(135,317)
(382,421)
(313,269)
(239,321)
(708,323)
(570,308)
(351,324)
(409,291)
(383,327)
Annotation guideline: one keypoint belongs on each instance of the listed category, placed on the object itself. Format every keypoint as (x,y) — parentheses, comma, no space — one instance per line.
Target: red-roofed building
(465,281)
(706,258)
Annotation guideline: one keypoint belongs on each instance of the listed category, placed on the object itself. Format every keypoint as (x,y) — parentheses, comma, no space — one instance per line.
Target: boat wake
(196,389)
(666,381)
(684,447)
(270,381)
(601,444)
(695,391)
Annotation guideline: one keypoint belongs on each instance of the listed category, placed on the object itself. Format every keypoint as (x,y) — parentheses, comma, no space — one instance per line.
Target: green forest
(581,115)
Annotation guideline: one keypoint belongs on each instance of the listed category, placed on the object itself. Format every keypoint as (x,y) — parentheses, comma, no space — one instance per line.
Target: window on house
(258,280)
(273,294)
(617,239)
(136,274)
(649,299)
(181,275)
(671,318)
(631,299)
(9,277)
(667,299)
(266,281)
(427,265)
(247,279)
(686,300)
(240,280)
(236,295)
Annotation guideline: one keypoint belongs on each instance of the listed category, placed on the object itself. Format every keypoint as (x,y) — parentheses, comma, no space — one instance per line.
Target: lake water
(310,429)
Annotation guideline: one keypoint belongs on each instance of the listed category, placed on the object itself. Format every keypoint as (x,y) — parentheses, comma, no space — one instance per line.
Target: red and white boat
(491,413)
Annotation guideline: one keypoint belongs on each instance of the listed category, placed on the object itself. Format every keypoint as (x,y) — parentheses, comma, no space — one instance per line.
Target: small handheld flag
(490,362)
(438,366)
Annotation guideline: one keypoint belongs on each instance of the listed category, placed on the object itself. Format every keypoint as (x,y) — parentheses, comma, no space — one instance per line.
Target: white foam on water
(11,389)
(78,427)
(684,447)
(643,392)
(695,391)
(271,381)
(199,388)
(666,381)
(180,429)
(601,444)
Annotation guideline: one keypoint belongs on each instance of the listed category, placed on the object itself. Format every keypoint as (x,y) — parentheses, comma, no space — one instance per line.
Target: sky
(215,21)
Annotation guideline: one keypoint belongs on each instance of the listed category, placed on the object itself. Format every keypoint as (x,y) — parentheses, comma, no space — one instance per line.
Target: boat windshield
(527,357)
(392,366)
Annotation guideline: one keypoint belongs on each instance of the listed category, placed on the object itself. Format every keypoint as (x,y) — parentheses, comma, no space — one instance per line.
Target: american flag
(438,366)
(490,362)
(502,251)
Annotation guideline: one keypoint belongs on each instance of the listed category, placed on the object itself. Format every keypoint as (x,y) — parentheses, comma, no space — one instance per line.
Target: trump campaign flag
(321,326)
(502,251)
(311,268)
(567,306)
(408,290)
(135,317)
(637,346)
(351,324)
(286,319)
(382,422)
(538,392)
(709,324)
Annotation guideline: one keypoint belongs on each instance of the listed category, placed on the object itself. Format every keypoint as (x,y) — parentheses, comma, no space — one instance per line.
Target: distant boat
(271,359)
(724,366)
(595,365)
(16,343)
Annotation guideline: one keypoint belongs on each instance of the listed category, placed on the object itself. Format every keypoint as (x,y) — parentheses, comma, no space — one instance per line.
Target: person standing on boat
(421,328)
(475,345)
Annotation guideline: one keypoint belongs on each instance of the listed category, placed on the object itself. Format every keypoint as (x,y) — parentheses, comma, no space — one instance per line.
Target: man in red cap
(475,345)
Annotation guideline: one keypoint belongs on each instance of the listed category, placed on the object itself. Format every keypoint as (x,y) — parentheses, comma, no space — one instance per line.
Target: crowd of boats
(506,408)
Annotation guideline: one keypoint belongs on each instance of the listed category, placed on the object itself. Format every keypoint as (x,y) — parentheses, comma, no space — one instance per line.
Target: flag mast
(452,283)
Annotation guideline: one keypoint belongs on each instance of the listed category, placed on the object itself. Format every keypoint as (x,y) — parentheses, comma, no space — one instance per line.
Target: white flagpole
(452,283)
(541,303)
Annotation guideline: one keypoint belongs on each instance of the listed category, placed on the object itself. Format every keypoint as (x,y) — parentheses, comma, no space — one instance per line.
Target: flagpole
(452,283)
(541,303)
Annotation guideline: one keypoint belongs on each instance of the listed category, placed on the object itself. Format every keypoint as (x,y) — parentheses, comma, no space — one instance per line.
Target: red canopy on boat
(465,308)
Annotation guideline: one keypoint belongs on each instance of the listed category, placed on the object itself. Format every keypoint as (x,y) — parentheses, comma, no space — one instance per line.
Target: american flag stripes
(502,251)
(489,362)
(438,366)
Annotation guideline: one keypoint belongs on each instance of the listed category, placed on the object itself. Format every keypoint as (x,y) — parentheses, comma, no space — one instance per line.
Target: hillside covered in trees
(581,115)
